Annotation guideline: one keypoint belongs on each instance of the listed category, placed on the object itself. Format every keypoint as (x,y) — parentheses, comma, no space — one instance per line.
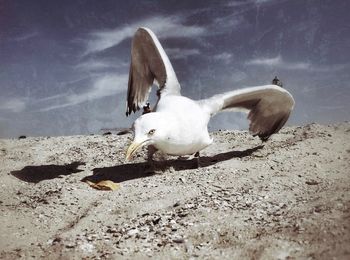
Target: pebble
(86,247)
(112,230)
(312,182)
(178,240)
(132,232)
(70,245)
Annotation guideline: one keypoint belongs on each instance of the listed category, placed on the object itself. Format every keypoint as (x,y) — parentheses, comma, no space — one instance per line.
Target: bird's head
(148,129)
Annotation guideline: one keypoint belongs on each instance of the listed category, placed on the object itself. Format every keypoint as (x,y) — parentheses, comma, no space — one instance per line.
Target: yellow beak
(134,146)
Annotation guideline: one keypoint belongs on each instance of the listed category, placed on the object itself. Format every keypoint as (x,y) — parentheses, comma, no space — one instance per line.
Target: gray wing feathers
(149,64)
(269,107)
(146,65)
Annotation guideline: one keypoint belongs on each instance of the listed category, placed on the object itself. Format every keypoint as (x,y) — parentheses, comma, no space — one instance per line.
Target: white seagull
(178,125)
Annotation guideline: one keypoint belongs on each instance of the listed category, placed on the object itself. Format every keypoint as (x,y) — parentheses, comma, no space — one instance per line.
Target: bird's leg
(197,159)
(150,162)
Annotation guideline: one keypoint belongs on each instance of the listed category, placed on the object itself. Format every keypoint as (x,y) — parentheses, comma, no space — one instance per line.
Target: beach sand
(288,198)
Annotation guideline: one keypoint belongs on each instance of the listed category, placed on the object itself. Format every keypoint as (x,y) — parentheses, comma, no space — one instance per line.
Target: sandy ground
(286,199)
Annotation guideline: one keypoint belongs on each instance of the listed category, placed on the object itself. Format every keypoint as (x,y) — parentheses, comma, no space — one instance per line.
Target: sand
(284,199)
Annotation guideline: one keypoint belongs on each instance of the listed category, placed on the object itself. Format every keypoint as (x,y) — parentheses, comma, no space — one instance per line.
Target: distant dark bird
(179,125)
(147,108)
(277,82)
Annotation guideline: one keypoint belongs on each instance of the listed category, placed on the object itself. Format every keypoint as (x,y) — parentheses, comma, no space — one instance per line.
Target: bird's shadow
(125,172)
(35,174)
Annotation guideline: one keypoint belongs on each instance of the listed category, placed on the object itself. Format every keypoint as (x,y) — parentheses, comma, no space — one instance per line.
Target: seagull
(178,125)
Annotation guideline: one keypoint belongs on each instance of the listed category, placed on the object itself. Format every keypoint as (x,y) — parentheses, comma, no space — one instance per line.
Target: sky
(64,64)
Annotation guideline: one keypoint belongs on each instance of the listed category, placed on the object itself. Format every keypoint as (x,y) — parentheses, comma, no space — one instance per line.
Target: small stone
(178,240)
(182,214)
(86,247)
(156,220)
(70,245)
(132,232)
(112,230)
(318,209)
(312,182)
(56,240)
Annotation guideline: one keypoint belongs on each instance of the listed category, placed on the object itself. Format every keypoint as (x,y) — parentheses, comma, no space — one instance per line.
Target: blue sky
(64,64)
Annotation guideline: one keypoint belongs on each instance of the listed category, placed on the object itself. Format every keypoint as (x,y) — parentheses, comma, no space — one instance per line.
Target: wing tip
(263,137)
(131,108)
(144,30)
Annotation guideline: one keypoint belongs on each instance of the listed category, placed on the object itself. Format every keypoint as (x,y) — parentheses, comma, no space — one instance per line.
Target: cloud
(249,3)
(177,53)
(237,76)
(273,2)
(238,3)
(103,86)
(330,68)
(279,62)
(296,65)
(93,65)
(100,65)
(227,23)
(14,105)
(225,56)
(265,61)
(25,36)
(263,1)
(163,27)
(106,85)
(50,98)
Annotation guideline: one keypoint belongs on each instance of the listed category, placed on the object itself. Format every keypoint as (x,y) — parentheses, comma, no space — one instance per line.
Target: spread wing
(269,107)
(149,64)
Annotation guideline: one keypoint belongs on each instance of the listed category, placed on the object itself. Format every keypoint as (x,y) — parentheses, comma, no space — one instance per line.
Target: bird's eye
(151,132)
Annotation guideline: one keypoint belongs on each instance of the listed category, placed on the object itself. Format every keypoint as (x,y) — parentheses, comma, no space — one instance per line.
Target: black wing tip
(264,138)
(131,109)
(128,111)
